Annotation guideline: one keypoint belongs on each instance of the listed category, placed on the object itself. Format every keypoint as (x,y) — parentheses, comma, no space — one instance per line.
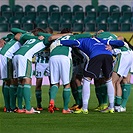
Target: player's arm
(2,43)
(25,37)
(114,43)
(44,34)
(70,43)
(8,37)
(17,30)
(22,38)
(45,39)
(28,36)
(56,36)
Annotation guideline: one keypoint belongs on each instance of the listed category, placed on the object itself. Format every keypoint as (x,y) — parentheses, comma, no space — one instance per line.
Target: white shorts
(42,69)
(60,69)
(6,68)
(123,63)
(131,69)
(22,67)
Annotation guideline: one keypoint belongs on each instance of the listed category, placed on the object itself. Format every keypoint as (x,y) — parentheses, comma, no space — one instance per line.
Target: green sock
(49,93)
(75,95)
(3,89)
(80,95)
(12,93)
(126,88)
(66,97)
(118,100)
(38,94)
(98,95)
(6,96)
(20,90)
(104,94)
(27,96)
(53,92)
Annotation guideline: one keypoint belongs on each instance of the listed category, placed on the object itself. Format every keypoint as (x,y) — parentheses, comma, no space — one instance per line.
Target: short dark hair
(37,30)
(49,30)
(66,30)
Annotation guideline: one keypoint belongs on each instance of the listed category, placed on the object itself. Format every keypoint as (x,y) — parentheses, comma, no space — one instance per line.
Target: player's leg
(6,76)
(27,93)
(25,73)
(92,70)
(125,63)
(79,88)
(13,94)
(126,89)
(20,86)
(116,79)
(101,93)
(126,85)
(39,69)
(118,96)
(20,96)
(88,75)
(107,72)
(54,79)
(38,93)
(74,93)
(85,96)
(26,81)
(13,88)
(98,94)
(65,68)
(5,90)
(66,99)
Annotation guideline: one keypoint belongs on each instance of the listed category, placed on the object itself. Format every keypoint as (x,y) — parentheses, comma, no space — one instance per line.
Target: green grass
(94,122)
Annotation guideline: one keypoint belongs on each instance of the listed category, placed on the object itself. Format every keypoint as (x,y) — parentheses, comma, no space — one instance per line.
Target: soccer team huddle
(75,59)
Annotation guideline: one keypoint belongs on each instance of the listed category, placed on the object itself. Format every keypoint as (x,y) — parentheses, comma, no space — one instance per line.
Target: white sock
(110,91)
(85,93)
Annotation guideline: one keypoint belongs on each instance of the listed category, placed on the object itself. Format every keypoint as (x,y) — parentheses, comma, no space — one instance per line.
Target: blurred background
(79,15)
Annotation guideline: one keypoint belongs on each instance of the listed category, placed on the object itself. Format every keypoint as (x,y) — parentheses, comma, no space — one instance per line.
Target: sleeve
(70,43)
(27,36)
(114,43)
(44,34)
(46,42)
(8,37)
(17,30)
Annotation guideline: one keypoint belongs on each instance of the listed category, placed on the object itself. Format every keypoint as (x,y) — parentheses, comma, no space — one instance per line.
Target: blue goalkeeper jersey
(92,46)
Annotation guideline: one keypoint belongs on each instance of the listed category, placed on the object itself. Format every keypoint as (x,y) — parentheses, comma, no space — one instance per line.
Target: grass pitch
(45,122)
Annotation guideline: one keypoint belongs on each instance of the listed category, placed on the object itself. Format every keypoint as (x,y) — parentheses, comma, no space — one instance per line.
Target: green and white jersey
(64,50)
(107,35)
(8,37)
(42,57)
(17,30)
(31,46)
(110,36)
(46,36)
(10,48)
(11,45)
